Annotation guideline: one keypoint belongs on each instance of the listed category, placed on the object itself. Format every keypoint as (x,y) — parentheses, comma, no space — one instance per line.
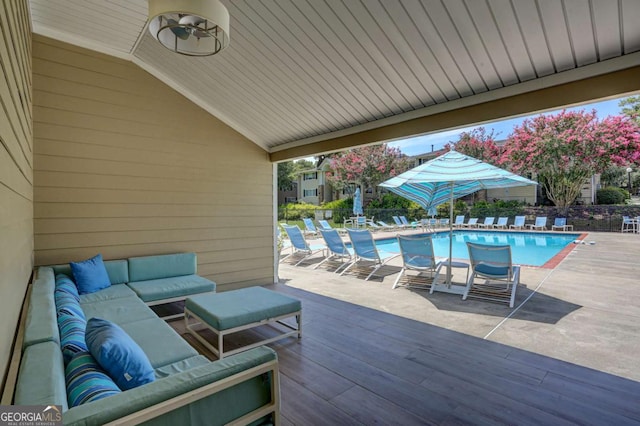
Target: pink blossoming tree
(478,144)
(367,166)
(565,149)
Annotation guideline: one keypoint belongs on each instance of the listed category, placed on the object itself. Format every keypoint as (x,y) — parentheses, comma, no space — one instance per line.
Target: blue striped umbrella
(447,177)
(357,203)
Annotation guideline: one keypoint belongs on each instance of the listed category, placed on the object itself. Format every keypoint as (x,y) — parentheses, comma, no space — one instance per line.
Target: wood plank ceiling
(301,70)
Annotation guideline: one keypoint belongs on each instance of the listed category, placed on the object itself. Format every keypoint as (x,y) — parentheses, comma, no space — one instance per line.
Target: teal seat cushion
(41,325)
(120,356)
(86,381)
(120,311)
(161,266)
(180,366)
(41,376)
(118,270)
(116,291)
(235,308)
(167,288)
(159,341)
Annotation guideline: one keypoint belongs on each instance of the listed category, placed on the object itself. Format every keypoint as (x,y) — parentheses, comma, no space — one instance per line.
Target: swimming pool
(527,248)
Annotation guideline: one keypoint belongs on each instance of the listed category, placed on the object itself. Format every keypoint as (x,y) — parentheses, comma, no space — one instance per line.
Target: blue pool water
(527,248)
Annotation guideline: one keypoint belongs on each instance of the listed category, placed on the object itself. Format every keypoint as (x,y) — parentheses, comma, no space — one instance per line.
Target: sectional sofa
(188,388)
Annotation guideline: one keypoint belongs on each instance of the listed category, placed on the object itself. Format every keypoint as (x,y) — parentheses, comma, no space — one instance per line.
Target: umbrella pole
(450,237)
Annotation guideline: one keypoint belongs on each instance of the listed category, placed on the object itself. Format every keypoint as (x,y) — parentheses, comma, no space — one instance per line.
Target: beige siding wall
(125,166)
(16,171)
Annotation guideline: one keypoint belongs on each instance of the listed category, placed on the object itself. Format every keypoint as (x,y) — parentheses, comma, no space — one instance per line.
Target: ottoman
(237,310)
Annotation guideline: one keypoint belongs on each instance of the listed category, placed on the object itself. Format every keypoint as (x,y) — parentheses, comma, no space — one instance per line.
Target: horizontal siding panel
(20,181)
(91,224)
(80,210)
(125,166)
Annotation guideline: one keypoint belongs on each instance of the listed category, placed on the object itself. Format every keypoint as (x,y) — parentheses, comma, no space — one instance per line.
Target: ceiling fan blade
(180,32)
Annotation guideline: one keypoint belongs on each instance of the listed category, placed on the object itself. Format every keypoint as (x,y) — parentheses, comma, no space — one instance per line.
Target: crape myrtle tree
(366,166)
(567,148)
(478,144)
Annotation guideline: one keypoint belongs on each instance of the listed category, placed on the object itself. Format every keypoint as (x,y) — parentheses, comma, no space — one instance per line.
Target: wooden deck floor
(355,365)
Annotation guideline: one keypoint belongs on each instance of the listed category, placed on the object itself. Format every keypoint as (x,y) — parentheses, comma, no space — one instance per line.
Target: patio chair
(518,223)
(408,224)
(299,244)
(398,222)
(336,249)
(417,254)
(473,223)
(560,223)
(499,275)
(488,222)
(365,251)
(310,227)
(325,226)
(628,224)
(459,222)
(386,226)
(540,223)
(502,223)
(445,222)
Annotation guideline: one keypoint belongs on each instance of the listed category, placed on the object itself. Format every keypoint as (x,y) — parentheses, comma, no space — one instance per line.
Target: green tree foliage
(631,107)
(367,167)
(610,195)
(478,144)
(286,175)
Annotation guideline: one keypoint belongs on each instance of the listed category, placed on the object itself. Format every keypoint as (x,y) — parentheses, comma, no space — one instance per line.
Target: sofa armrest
(242,387)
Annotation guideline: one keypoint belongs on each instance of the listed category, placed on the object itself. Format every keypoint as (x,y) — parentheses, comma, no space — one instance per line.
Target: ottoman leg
(299,321)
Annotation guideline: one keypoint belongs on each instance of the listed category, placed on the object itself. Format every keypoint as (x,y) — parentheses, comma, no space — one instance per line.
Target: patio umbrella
(357,203)
(447,177)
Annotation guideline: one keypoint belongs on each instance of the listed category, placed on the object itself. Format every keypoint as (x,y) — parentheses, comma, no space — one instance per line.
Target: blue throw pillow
(90,275)
(86,381)
(118,354)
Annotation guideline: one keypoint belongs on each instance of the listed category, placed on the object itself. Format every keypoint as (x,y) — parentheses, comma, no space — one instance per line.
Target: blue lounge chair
(310,227)
(488,222)
(540,223)
(408,224)
(299,244)
(445,222)
(335,249)
(518,223)
(628,225)
(386,226)
(500,277)
(502,223)
(398,222)
(417,254)
(366,251)
(560,223)
(325,226)
(459,222)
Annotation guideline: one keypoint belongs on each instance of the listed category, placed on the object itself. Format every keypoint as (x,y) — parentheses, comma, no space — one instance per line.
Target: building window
(310,176)
(311,192)
(290,199)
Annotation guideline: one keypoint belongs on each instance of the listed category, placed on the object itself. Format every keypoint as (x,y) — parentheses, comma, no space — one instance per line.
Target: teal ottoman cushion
(166,288)
(234,308)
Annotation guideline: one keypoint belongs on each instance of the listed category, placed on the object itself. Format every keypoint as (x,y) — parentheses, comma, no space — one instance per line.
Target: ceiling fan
(190,27)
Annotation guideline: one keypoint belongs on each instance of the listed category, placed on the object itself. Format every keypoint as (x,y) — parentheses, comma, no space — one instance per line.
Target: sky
(422,144)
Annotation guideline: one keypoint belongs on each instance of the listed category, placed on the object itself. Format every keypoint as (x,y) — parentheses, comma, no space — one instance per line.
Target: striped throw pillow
(86,381)
(65,284)
(72,340)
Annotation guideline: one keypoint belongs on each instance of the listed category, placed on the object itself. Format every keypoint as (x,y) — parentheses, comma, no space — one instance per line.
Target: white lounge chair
(488,222)
(459,222)
(473,223)
(540,223)
(500,277)
(628,224)
(502,223)
(560,223)
(518,223)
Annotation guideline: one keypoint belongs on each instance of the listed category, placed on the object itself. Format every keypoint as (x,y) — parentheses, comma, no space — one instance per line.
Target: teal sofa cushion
(118,354)
(90,275)
(159,341)
(116,291)
(180,366)
(41,325)
(41,360)
(218,409)
(86,381)
(232,309)
(121,311)
(166,288)
(118,270)
(161,266)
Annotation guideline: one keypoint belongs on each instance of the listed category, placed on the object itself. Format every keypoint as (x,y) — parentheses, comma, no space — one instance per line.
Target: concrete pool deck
(585,311)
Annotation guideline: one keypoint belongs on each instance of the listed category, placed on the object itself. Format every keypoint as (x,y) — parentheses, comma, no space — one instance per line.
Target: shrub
(341,209)
(496,209)
(394,205)
(610,195)
(296,211)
